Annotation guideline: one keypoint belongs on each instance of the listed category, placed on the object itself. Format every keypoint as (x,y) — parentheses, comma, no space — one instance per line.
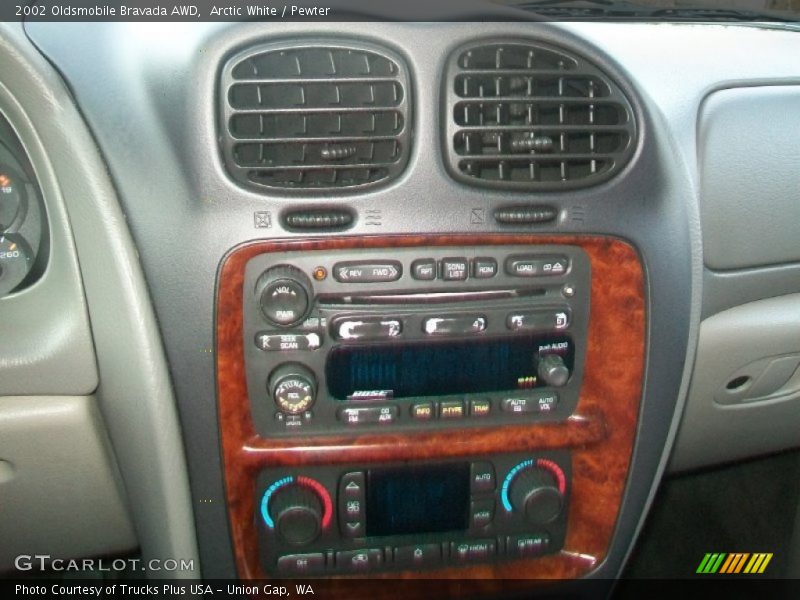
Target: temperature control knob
(293,387)
(297,513)
(535,493)
(553,371)
(284,293)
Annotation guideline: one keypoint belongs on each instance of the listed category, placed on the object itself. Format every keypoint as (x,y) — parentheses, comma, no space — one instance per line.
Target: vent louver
(315,116)
(524,115)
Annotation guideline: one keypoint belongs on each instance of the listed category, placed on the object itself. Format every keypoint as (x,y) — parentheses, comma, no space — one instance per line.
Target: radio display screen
(415,500)
(438,368)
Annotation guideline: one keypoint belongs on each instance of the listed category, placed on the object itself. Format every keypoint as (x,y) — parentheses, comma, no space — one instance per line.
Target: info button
(367,271)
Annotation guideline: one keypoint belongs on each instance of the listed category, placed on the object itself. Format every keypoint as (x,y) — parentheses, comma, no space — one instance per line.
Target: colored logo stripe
(711,563)
(734,563)
(758,563)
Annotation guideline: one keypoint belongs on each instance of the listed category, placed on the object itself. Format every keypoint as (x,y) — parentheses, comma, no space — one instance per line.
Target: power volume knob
(293,387)
(553,371)
(535,493)
(284,293)
(297,512)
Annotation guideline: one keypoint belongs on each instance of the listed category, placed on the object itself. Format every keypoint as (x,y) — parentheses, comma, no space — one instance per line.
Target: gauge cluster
(23,235)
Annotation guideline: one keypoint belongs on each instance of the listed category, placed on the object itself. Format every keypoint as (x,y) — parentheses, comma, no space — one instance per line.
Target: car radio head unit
(443,337)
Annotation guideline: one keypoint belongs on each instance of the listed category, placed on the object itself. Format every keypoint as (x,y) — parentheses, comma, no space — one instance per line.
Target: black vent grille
(524,115)
(315,116)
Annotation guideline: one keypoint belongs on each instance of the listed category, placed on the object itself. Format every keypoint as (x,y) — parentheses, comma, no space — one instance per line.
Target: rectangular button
(302,564)
(454,269)
(484,268)
(480,408)
(451,409)
(423,269)
(367,329)
(359,560)
(368,414)
(282,342)
(351,485)
(481,513)
(538,320)
(422,412)
(367,271)
(472,550)
(351,509)
(454,325)
(540,402)
(419,555)
(527,545)
(536,266)
(482,477)
(353,529)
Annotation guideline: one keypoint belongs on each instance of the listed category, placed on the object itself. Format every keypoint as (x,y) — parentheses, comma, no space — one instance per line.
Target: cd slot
(428,297)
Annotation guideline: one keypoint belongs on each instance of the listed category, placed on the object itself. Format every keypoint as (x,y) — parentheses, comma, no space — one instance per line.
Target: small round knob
(553,371)
(297,512)
(293,387)
(535,493)
(284,293)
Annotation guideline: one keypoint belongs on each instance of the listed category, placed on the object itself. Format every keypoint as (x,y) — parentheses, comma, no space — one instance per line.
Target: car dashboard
(437,300)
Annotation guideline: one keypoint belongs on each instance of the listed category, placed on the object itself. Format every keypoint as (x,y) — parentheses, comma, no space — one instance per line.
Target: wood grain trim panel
(600,433)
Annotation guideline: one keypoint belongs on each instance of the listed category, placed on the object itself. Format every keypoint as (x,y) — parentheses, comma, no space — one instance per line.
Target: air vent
(315,116)
(524,115)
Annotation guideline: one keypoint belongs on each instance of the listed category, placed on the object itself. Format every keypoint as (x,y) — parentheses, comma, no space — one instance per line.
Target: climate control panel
(412,338)
(328,520)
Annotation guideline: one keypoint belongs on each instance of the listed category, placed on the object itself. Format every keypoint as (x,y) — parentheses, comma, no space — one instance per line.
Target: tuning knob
(293,387)
(553,371)
(535,493)
(297,513)
(284,293)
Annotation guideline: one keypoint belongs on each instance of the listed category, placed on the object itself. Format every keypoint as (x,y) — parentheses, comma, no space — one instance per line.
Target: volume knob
(284,293)
(297,512)
(553,371)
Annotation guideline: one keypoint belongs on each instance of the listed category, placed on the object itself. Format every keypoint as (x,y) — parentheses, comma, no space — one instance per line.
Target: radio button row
(538,320)
(454,325)
(424,269)
(302,564)
(451,409)
(420,555)
(525,546)
(283,342)
(454,269)
(368,414)
(482,477)
(484,268)
(481,513)
(367,272)
(367,329)
(359,560)
(474,550)
(536,266)
(480,408)
(536,403)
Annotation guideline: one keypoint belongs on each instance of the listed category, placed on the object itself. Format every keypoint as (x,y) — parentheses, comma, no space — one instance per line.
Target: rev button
(367,271)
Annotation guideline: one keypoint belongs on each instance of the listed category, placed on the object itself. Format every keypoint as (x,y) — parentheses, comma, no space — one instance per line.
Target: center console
(452,406)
